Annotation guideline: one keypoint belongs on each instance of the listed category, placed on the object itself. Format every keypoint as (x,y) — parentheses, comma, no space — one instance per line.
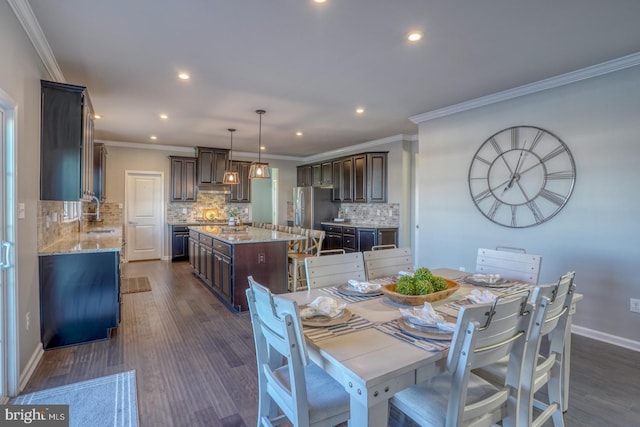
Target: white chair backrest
(387,262)
(330,270)
(510,265)
(552,306)
(278,335)
(486,333)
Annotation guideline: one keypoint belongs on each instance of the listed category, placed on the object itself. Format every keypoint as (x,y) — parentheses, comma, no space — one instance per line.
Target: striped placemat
(356,323)
(393,329)
(335,292)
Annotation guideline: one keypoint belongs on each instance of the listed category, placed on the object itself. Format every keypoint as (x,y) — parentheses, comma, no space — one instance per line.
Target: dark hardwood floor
(195,360)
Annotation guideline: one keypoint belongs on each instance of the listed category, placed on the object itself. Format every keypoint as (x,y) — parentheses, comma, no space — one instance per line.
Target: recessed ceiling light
(153,137)
(164,116)
(184,76)
(262,147)
(320,1)
(415,36)
(298,133)
(360,110)
(97,116)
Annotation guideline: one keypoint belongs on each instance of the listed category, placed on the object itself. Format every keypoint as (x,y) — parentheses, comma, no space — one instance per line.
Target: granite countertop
(188,223)
(94,240)
(358,224)
(247,235)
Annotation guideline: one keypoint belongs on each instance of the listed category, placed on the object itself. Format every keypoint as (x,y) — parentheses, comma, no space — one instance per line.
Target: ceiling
(310,65)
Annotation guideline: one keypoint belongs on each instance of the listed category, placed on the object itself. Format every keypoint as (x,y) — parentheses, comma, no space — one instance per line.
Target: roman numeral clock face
(521,176)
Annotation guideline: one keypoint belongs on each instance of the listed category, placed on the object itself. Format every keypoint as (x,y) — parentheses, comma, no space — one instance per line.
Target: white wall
(20,74)
(597,233)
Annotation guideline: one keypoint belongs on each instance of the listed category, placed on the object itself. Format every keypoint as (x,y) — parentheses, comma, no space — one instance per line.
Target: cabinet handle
(6,247)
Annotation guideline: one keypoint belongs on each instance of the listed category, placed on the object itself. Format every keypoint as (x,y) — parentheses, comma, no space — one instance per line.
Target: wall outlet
(390,212)
(27,318)
(635,305)
(378,212)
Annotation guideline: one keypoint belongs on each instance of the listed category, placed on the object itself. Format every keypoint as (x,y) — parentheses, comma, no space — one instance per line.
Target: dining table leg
(372,416)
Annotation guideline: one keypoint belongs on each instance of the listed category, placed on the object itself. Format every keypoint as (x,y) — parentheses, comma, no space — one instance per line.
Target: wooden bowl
(389,291)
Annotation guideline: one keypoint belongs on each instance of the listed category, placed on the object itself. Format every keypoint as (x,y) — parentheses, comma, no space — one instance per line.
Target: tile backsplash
(193,212)
(371,213)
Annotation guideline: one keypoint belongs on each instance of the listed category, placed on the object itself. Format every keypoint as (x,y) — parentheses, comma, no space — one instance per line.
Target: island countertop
(243,234)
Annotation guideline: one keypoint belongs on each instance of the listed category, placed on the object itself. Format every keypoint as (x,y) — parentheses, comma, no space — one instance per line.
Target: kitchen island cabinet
(227,255)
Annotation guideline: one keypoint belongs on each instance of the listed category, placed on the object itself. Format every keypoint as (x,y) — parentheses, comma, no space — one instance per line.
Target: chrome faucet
(97,212)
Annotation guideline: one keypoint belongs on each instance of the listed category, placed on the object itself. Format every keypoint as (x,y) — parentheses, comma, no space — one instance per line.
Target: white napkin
(426,316)
(322,306)
(485,278)
(479,297)
(363,287)
(404,273)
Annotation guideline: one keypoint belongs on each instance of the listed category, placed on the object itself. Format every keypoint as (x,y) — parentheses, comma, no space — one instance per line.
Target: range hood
(214,189)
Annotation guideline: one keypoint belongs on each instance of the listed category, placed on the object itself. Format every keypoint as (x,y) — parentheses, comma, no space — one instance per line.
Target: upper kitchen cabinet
(241,192)
(376,180)
(304,176)
(183,179)
(321,175)
(66,143)
(211,165)
(99,171)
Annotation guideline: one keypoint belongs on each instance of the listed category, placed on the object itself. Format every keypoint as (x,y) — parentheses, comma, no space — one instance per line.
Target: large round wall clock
(521,176)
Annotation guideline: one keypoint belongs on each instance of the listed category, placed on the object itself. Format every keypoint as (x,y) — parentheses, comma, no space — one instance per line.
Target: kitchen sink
(102,231)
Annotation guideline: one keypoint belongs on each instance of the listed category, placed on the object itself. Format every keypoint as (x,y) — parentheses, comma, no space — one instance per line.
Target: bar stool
(308,246)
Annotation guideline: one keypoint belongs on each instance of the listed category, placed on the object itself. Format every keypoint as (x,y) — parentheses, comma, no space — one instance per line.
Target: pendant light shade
(258,169)
(230,176)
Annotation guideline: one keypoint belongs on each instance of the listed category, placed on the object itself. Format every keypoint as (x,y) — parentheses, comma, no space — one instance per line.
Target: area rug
(136,284)
(105,401)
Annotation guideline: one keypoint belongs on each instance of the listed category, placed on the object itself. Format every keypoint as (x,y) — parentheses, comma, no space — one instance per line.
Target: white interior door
(144,215)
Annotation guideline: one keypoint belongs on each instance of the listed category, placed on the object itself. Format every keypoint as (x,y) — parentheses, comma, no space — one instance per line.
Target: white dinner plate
(422,332)
(323,321)
(502,283)
(346,290)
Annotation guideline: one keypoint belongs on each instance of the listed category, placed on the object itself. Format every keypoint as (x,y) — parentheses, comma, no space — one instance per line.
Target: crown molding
(25,15)
(550,83)
(359,147)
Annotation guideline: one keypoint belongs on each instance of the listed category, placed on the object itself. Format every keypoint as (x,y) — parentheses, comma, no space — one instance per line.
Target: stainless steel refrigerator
(311,205)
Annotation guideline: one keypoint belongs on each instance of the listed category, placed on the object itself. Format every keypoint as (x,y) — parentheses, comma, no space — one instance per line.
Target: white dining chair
(287,380)
(331,270)
(515,265)
(485,333)
(542,367)
(387,262)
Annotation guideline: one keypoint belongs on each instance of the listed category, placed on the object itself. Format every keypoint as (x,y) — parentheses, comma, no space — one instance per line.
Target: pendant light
(230,176)
(258,169)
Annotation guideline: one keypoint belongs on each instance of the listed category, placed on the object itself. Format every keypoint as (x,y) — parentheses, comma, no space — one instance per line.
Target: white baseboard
(32,364)
(604,337)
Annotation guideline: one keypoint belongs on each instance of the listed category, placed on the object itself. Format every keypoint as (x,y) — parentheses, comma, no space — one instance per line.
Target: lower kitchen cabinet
(179,242)
(358,239)
(79,297)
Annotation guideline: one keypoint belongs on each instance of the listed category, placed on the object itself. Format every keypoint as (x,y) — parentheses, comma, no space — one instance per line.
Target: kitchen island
(222,257)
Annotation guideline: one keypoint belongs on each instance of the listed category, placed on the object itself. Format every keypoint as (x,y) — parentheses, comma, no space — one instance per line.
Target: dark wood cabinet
(212,163)
(304,176)
(322,174)
(347,180)
(222,270)
(66,142)
(376,191)
(179,242)
(194,256)
(183,179)
(99,171)
(79,297)
(358,239)
(360,178)
(241,192)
